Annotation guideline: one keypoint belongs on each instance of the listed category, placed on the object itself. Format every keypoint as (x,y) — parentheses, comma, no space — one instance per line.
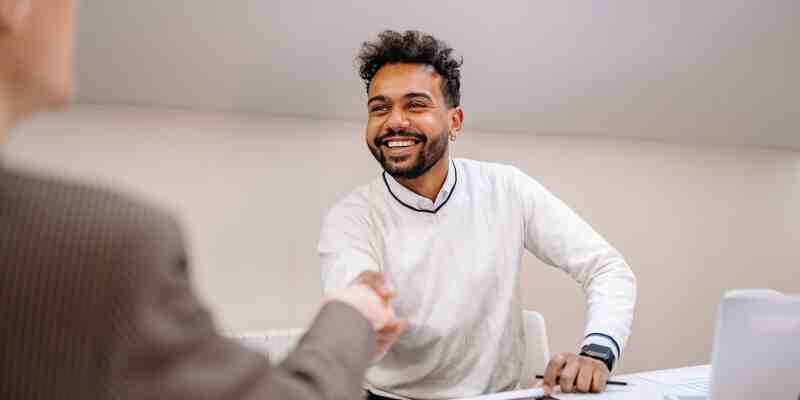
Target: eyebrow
(377,98)
(418,94)
(406,96)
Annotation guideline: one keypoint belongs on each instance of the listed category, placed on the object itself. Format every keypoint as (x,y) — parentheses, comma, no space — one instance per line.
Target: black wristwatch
(598,352)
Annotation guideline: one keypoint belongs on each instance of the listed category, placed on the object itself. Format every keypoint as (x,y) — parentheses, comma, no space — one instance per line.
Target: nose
(397,121)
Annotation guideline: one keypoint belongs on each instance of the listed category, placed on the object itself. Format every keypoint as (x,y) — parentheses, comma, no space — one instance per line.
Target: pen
(608,382)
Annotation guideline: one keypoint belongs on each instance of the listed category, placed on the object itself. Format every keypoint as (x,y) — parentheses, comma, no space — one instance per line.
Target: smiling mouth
(398,143)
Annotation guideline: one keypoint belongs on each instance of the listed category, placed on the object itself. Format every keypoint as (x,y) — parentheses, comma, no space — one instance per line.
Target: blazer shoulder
(72,204)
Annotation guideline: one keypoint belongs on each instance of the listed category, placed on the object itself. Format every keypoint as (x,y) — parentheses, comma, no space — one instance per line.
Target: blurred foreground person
(95,295)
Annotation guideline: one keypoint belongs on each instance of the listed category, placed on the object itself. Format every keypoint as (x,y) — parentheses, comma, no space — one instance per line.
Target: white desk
(655,385)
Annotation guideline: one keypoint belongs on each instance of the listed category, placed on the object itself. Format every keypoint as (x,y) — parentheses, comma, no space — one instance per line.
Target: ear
(13,14)
(456,121)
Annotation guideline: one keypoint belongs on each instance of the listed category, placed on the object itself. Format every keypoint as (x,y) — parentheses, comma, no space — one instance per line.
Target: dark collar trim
(453,189)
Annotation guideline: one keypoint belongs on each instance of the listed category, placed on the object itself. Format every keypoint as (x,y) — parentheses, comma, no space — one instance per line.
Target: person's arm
(346,245)
(559,237)
(164,344)
(347,254)
(332,357)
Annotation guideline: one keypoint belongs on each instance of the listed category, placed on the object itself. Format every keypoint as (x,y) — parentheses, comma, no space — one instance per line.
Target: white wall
(251,191)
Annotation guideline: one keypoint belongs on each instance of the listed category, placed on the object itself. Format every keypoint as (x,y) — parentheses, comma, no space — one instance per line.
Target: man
(95,296)
(449,234)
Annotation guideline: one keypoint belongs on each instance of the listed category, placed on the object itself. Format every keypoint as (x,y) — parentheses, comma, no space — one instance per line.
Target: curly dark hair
(417,48)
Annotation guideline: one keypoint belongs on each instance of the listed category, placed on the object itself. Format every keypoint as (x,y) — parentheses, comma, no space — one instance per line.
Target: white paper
(678,376)
(653,385)
(630,392)
(690,381)
(511,395)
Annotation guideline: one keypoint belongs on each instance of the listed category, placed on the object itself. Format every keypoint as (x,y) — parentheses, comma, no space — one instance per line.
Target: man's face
(409,120)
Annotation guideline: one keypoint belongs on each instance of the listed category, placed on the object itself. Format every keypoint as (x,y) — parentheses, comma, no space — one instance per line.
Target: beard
(423,160)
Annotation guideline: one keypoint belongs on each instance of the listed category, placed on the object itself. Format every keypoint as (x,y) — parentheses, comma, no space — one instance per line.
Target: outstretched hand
(370,295)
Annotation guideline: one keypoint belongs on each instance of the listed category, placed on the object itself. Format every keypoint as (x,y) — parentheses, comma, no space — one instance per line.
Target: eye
(378,108)
(416,105)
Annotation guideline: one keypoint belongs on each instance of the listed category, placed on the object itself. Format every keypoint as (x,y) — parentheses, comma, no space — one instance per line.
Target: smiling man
(449,234)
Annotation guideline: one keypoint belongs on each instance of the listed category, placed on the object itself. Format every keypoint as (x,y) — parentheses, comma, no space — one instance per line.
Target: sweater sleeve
(559,237)
(346,245)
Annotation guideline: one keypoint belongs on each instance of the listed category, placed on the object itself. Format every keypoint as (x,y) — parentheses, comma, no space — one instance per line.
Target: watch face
(594,350)
(601,353)
(597,354)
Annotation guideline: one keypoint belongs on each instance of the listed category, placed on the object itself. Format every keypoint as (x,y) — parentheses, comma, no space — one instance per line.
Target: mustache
(412,135)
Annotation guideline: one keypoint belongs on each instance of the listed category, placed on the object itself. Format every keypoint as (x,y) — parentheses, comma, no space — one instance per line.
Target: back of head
(36,55)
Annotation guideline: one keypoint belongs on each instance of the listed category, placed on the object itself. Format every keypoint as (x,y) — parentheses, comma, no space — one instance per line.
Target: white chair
(537,350)
(278,342)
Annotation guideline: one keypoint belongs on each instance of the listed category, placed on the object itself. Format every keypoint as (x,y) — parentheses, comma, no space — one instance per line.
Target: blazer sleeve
(165,344)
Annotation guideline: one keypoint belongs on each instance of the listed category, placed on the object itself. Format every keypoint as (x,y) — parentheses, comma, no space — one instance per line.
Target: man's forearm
(611,299)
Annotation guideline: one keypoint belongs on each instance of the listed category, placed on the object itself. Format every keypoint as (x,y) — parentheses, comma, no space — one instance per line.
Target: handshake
(369,294)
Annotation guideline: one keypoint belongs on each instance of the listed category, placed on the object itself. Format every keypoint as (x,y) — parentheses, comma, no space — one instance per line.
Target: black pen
(608,382)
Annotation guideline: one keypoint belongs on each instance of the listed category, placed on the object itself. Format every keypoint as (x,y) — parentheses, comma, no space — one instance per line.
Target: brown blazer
(96,303)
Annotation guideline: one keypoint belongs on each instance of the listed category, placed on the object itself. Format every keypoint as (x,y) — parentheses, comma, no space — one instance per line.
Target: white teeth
(400,143)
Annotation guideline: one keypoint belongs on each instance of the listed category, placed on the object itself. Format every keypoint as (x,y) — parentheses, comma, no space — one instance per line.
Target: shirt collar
(420,203)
